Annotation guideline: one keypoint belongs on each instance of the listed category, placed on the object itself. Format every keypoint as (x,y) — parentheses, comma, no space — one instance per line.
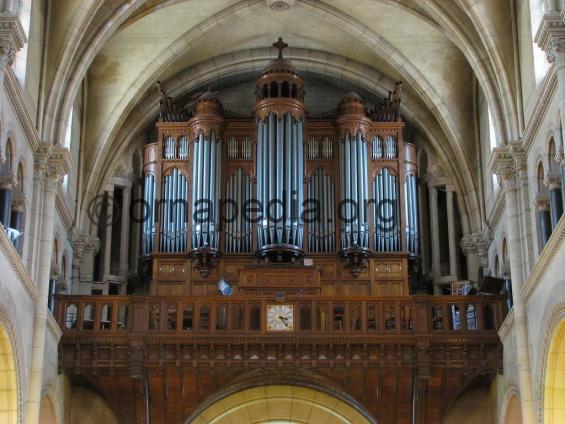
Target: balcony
(313,317)
(183,349)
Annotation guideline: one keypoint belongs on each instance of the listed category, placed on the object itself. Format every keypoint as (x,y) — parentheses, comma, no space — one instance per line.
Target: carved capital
(468,244)
(8,180)
(52,162)
(84,243)
(550,31)
(12,38)
(542,202)
(19,203)
(552,181)
(502,164)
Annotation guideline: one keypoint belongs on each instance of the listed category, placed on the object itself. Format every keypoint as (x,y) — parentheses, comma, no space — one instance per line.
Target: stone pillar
(520,162)
(502,163)
(7,183)
(52,167)
(471,251)
(85,248)
(436,266)
(451,230)
(541,203)
(553,183)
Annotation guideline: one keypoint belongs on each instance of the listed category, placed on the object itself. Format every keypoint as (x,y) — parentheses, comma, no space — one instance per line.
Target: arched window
(493,141)
(9,155)
(67,142)
(540,175)
(540,61)
(20,63)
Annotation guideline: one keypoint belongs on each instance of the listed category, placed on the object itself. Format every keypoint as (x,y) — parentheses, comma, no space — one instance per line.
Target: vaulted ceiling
(440,49)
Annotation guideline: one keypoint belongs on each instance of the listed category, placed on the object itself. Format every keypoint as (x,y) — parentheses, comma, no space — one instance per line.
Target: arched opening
(473,405)
(8,380)
(554,384)
(513,412)
(88,407)
(280,404)
(46,411)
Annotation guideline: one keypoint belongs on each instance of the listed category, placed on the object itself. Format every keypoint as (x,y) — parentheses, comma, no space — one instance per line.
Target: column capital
(542,202)
(8,180)
(476,243)
(501,163)
(52,162)
(19,203)
(552,181)
(84,243)
(551,34)
(12,38)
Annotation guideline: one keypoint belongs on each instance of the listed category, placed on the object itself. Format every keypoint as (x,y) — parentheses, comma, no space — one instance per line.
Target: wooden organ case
(327,204)
(321,299)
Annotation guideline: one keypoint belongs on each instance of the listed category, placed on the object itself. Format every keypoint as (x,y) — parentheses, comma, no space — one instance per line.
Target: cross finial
(280,45)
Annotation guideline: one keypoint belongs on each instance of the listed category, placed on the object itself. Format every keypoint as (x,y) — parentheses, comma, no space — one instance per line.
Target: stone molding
(539,112)
(17,266)
(14,95)
(507,326)
(543,262)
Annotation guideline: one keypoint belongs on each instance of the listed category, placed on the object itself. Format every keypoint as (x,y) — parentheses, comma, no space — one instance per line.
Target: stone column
(470,249)
(85,248)
(516,149)
(451,231)
(52,168)
(7,183)
(434,221)
(541,204)
(553,183)
(502,163)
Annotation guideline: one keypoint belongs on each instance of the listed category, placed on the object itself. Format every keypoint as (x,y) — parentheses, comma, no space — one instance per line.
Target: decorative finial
(280,45)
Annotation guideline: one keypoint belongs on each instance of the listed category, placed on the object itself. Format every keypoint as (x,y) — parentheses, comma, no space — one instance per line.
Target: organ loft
(284,247)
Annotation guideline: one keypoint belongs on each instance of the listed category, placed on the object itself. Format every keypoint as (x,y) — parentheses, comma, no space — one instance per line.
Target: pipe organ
(261,199)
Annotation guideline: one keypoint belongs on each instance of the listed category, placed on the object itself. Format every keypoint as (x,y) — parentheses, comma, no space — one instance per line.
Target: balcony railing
(222,316)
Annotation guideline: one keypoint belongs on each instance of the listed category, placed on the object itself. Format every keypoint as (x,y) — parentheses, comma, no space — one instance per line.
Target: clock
(280,317)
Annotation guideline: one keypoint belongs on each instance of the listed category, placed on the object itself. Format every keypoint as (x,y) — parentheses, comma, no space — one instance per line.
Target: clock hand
(284,320)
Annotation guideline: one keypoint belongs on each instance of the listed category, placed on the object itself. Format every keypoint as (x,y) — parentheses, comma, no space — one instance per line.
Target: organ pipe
(280,112)
(321,233)
(148,214)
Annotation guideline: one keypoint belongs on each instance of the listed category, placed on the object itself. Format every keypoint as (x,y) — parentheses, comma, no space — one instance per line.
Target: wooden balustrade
(312,315)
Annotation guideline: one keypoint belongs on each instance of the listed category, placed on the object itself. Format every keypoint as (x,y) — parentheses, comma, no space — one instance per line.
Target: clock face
(280,317)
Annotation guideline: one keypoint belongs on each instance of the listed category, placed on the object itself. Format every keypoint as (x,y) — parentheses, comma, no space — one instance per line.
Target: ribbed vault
(123,47)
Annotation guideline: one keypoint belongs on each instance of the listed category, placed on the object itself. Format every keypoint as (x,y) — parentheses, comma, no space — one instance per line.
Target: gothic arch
(552,361)
(283,387)
(510,411)
(10,378)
